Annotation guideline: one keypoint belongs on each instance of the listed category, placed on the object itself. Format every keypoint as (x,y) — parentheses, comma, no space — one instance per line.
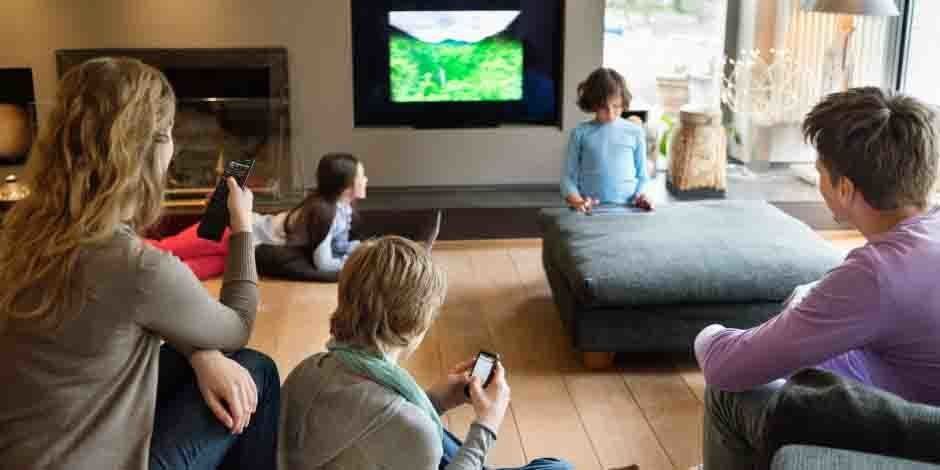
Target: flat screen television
(457,63)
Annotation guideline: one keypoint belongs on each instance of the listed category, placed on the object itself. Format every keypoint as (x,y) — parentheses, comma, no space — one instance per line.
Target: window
(667,50)
(922,70)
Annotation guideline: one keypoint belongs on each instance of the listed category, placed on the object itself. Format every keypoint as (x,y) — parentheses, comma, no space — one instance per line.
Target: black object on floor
(435,230)
(290,262)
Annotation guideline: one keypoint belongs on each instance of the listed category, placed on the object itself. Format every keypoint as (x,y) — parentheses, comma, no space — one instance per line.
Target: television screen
(441,56)
(456,63)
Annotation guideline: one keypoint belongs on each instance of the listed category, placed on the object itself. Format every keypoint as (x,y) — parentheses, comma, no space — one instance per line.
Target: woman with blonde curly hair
(85,303)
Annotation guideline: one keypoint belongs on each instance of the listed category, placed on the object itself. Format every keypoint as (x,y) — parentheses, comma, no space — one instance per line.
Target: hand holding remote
(240,201)
(229,205)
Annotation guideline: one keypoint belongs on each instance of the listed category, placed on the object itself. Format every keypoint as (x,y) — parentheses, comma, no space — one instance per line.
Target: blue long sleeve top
(329,255)
(605,161)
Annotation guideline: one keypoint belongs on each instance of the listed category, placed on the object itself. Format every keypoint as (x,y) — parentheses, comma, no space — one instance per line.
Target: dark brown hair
(600,85)
(884,143)
(335,173)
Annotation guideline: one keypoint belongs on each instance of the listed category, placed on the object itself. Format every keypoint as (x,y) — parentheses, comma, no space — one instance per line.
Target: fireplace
(233,104)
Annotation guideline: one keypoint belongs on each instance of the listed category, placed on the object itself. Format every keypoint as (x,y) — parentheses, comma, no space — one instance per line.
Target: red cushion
(205,258)
(206,267)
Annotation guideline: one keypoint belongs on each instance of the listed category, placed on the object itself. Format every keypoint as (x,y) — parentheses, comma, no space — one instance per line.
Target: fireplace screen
(209,132)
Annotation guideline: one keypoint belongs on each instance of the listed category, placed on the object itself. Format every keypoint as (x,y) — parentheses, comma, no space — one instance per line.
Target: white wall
(316,34)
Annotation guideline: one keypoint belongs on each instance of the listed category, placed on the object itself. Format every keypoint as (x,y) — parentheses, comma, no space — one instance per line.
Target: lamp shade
(852,7)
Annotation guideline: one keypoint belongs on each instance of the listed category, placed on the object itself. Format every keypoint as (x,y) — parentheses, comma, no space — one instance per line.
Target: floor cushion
(625,280)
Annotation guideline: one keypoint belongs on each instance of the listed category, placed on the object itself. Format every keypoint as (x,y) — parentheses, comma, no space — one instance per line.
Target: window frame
(899,58)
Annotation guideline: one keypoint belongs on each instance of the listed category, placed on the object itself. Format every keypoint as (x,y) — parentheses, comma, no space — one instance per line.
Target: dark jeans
(187,435)
(734,427)
(452,445)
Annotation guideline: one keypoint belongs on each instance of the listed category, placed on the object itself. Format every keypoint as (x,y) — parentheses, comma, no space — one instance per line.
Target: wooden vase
(698,152)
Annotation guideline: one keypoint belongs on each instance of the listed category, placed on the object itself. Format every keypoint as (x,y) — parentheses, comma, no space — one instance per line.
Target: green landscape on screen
(489,70)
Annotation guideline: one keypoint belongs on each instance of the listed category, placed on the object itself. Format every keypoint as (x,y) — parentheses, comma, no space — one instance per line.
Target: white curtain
(808,35)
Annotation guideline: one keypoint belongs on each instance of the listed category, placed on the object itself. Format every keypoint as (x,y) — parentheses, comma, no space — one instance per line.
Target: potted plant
(667,122)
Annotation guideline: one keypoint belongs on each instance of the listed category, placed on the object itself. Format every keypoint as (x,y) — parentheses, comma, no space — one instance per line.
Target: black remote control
(216,218)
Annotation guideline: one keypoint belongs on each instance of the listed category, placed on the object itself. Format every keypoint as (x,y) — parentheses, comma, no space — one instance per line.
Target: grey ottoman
(649,282)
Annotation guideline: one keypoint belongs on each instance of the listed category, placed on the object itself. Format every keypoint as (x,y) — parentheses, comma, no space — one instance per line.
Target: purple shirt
(875,319)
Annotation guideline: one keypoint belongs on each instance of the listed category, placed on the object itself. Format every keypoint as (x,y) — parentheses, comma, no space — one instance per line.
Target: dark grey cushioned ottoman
(633,281)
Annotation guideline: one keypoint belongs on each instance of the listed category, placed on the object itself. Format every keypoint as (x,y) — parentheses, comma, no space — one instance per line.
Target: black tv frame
(371,84)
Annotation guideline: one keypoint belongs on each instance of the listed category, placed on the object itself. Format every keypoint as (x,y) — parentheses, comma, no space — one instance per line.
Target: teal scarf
(375,366)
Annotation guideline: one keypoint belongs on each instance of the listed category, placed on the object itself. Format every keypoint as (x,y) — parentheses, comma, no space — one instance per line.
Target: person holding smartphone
(354,407)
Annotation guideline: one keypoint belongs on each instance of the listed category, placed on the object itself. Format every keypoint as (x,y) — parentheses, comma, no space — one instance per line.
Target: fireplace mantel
(272,58)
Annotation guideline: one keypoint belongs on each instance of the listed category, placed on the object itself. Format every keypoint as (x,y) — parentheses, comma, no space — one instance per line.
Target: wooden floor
(647,411)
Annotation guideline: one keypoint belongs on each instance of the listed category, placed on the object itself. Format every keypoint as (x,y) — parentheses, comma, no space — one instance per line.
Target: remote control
(216,218)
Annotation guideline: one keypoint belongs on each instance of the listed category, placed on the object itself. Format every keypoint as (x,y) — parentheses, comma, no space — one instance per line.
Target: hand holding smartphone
(491,400)
(483,369)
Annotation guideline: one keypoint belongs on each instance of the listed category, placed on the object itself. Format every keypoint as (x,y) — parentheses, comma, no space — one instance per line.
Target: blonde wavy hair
(93,168)
(389,294)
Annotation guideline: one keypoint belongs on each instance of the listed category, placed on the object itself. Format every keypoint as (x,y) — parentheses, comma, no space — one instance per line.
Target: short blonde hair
(389,294)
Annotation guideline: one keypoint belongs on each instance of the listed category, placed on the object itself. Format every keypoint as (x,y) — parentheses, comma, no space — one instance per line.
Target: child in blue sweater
(606,161)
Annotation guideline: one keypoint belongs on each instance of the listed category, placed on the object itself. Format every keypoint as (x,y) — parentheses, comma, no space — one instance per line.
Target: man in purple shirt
(875,318)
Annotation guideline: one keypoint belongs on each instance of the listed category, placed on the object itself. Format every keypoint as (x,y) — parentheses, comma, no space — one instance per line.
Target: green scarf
(374,365)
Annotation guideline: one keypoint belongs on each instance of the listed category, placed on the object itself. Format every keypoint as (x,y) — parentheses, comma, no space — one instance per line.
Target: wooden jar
(698,154)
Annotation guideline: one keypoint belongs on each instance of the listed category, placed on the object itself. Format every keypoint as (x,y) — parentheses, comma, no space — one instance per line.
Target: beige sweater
(83,397)
(332,419)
